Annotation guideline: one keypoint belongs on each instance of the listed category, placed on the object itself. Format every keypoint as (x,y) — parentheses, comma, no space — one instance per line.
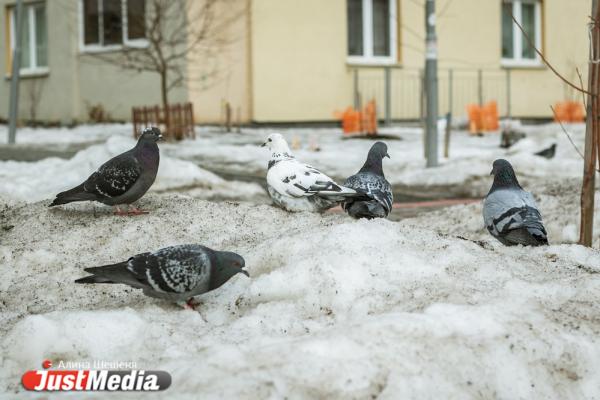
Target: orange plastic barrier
(364,121)
(483,118)
(569,111)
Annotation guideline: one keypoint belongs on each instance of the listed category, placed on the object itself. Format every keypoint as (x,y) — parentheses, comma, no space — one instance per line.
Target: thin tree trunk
(165,100)
(592,135)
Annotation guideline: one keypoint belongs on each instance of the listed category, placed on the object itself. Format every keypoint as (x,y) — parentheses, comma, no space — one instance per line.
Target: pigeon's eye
(270,140)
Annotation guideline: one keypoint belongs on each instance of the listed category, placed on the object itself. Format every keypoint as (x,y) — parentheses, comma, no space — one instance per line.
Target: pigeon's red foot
(136,211)
(120,212)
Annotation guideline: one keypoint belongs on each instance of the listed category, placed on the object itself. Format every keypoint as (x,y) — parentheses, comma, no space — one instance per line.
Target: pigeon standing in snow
(295,186)
(548,152)
(510,213)
(175,273)
(123,179)
(370,181)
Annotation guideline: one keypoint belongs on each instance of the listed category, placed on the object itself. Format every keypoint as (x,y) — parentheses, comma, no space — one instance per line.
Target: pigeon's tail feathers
(78,193)
(365,209)
(112,273)
(338,193)
(526,237)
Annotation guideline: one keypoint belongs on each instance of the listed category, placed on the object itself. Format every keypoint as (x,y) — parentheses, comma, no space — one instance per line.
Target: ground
(426,307)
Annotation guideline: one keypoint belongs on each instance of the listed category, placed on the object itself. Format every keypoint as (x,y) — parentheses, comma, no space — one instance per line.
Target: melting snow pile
(334,308)
(35,181)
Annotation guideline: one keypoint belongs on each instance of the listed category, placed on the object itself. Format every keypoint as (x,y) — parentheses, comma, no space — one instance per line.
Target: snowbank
(35,181)
(334,308)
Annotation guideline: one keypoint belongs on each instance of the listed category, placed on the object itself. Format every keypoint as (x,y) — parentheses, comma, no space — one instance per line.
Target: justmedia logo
(94,380)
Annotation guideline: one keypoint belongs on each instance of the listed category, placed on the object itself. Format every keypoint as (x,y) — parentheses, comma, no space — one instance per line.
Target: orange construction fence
(569,111)
(483,118)
(364,121)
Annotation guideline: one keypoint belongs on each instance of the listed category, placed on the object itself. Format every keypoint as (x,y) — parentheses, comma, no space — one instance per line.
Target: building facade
(300,61)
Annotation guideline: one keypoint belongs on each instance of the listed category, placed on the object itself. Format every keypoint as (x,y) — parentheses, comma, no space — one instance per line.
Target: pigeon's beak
(492,172)
(160,137)
(245,273)
(388,156)
(264,144)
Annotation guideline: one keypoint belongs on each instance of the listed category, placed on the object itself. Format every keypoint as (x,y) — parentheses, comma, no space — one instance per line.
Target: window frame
(99,48)
(367,20)
(518,36)
(29,14)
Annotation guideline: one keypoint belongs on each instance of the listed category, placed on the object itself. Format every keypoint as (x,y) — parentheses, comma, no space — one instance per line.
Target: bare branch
(539,53)
(567,133)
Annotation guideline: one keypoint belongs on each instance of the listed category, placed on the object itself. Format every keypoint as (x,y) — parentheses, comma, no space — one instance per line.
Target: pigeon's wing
(293,178)
(512,209)
(176,269)
(115,177)
(374,186)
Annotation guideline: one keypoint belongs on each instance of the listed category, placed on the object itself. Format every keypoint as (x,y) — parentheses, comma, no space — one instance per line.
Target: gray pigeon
(123,179)
(547,152)
(175,273)
(370,181)
(510,213)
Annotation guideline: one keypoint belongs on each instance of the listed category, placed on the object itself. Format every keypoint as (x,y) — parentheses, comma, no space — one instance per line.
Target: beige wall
(299,60)
(229,59)
(300,71)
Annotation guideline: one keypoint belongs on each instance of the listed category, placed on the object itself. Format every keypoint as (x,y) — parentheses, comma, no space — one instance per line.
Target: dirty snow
(334,308)
(35,181)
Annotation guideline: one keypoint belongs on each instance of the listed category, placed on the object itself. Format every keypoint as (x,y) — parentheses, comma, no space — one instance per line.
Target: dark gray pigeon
(510,213)
(175,273)
(370,181)
(123,179)
(547,152)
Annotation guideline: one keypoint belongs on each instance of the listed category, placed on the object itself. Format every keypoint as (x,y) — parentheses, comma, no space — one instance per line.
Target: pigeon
(547,152)
(378,199)
(295,186)
(123,179)
(510,213)
(175,273)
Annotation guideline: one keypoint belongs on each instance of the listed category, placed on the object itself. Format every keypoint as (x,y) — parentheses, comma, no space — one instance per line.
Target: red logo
(94,380)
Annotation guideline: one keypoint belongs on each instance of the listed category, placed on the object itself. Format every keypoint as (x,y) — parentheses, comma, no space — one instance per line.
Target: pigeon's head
(228,264)
(379,150)
(151,134)
(504,174)
(276,143)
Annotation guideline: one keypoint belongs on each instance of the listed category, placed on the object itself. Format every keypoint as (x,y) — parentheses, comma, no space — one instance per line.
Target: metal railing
(399,92)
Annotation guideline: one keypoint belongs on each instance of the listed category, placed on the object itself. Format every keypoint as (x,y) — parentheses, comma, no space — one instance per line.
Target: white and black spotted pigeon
(176,273)
(123,179)
(370,181)
(295,186)
(510,213)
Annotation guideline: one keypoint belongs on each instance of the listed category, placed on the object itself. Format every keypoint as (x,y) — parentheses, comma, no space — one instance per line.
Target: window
(110,24)
(516,49)
(371,31)
(34,40)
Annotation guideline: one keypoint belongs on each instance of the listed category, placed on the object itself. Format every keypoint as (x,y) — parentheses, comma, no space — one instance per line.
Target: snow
(464,173)
(334,308)
(62,137)
(35,181)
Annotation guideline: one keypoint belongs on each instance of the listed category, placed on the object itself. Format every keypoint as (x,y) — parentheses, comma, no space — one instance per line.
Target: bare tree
(591,154)
(180,33)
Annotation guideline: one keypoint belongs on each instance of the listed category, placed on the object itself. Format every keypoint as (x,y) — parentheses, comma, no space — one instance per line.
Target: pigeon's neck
(505,180)
(373,165)
(281,154)
(148,152)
